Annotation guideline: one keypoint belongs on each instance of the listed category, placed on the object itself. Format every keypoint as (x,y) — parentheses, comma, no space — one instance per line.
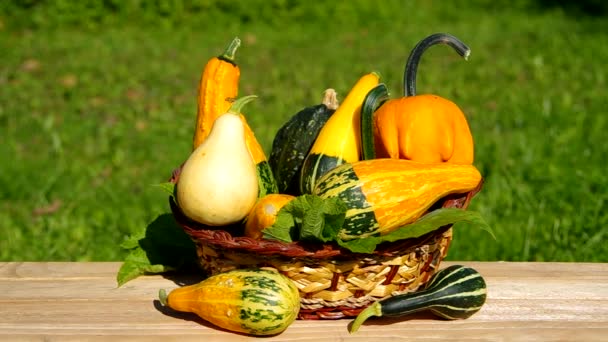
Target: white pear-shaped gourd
(218,184)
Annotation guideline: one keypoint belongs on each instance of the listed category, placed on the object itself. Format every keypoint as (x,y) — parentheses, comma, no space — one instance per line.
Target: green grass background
(98,98)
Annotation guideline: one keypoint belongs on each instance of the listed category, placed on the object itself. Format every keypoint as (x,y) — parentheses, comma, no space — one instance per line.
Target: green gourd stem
(162,296)
(230,53)
(374,309)
(456,292)
(411,66)
(373,100)
(238,104)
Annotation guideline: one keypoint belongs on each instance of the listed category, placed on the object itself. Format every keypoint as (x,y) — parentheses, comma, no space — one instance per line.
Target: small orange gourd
(264,214)
(424,128)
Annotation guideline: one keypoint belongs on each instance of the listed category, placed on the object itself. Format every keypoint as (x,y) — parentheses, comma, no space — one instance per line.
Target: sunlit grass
(91,119)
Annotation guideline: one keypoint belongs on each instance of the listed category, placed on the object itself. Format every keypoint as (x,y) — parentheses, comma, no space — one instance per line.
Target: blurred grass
(95,112)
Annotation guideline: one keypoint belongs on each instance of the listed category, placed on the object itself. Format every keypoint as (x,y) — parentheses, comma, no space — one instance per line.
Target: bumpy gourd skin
(218,88)
(423,128)
(250,301)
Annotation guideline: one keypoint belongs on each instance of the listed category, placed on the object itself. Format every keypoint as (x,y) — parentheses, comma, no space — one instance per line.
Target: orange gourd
(424,128)
(251,301)
(218,88)
(382,195)
(264,213)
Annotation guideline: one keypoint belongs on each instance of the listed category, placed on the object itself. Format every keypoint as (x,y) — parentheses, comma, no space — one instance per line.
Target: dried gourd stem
(330,99)
(411,66)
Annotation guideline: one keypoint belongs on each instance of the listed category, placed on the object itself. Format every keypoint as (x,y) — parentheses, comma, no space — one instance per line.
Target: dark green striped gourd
(456,292)
(293,141)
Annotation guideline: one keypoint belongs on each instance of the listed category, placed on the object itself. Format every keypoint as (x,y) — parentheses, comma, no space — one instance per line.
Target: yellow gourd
(339,140)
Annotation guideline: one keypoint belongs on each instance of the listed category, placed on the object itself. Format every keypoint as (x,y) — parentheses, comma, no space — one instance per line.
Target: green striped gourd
(339,140)
(250,301)
(293,142)
(385,194)
(456,292)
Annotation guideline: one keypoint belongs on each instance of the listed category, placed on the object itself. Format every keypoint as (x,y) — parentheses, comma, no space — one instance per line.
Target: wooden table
(80,302)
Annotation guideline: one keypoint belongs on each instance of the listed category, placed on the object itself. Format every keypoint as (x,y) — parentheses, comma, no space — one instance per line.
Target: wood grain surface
(55,301)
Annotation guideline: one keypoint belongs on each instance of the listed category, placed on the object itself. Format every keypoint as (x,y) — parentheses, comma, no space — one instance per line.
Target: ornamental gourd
(425,128)
(264,214)
(250,301)
(382,195)
(294,139)
(456,292)
(339,141)
(218,184)
(218,88)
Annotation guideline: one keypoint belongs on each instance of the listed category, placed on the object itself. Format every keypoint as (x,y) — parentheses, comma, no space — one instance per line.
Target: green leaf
(160,247)
(282,228)
(308,218)
(137,264)
(426,224)
(168,187)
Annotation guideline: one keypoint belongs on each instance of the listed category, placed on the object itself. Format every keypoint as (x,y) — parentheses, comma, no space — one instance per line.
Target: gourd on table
(456,292)
(250,301)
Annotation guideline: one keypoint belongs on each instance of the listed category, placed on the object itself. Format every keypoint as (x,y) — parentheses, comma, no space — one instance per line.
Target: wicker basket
(333,282)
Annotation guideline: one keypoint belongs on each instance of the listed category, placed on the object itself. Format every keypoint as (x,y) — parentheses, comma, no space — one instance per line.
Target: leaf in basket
(426,224)
(308,218)
(162,246)
(282,228)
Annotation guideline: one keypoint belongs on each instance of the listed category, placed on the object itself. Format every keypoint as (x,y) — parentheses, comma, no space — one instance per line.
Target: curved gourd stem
(411,66)
(374,309)
(373,100)
(238,104)
(230,53)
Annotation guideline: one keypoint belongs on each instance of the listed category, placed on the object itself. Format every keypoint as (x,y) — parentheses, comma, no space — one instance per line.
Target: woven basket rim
(223,238)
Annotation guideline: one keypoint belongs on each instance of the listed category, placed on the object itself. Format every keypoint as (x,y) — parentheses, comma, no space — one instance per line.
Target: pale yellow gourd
(218,184)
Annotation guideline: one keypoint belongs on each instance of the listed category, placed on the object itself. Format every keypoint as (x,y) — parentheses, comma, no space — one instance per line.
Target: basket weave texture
(333,282)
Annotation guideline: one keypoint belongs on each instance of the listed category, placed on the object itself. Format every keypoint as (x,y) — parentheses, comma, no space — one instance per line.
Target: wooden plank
(80,302)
